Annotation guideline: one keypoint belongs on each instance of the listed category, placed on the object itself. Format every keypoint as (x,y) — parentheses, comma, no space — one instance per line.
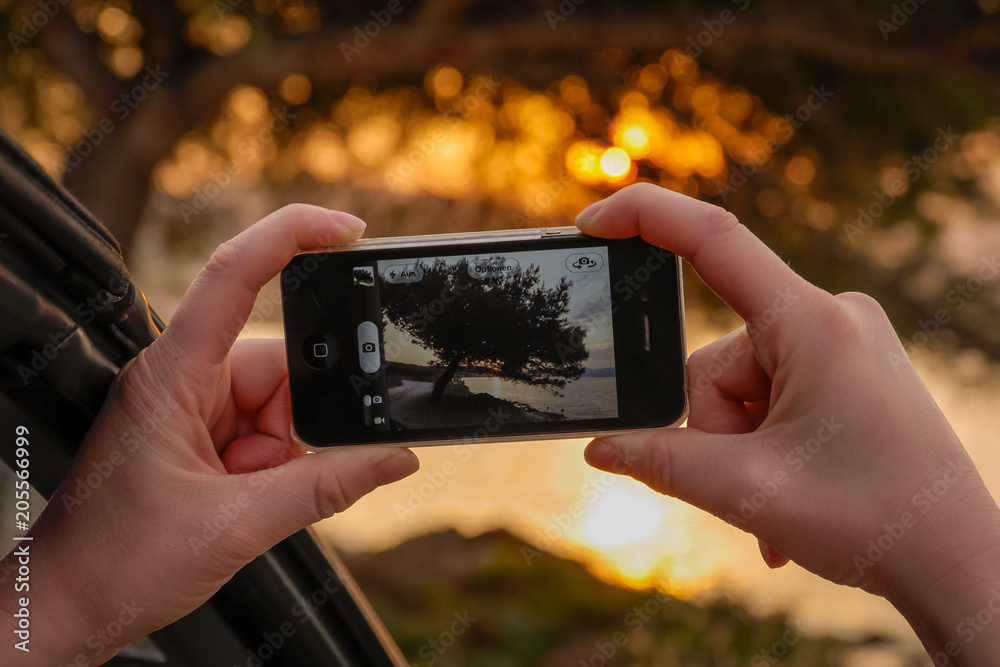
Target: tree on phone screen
(511,326)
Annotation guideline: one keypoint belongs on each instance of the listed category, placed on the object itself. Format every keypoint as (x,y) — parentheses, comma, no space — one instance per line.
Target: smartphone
(486,337)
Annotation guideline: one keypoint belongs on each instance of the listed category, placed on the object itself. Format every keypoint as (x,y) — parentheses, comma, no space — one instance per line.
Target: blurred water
(586,398)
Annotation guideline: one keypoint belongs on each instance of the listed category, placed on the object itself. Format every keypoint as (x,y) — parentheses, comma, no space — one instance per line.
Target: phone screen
(527,334)
(483,342)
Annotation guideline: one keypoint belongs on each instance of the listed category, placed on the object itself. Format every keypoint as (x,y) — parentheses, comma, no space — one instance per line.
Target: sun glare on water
(621,517)
(637,538)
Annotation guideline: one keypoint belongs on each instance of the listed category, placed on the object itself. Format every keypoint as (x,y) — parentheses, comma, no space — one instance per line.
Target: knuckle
(860,302)
(225,259)
(659,466)
(332,494)
(293,210)
(721,220)
(853,318)
(141,379)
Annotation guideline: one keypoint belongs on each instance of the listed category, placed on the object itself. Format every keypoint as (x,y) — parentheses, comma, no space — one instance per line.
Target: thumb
(317,486)
(707,470)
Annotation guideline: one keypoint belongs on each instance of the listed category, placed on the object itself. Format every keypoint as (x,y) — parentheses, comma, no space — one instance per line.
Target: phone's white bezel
(456,238)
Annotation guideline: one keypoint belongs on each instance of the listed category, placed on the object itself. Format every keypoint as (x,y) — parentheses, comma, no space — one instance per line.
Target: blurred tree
(800,117)
(527,339)
(552,613)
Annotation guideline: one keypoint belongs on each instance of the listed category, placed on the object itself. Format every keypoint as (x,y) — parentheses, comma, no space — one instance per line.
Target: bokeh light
(615,163)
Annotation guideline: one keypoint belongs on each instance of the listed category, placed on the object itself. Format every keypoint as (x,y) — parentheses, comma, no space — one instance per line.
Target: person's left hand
(189,471)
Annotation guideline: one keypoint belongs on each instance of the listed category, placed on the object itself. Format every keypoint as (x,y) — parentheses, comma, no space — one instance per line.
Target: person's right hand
(810,429)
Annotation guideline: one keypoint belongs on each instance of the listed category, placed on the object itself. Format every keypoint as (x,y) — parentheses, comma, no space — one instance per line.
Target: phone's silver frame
(455,238)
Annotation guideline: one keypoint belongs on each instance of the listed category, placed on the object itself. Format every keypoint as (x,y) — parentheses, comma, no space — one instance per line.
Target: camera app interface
(486,340)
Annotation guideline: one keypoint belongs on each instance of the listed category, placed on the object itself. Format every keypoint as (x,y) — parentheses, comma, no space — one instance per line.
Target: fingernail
(352,222)
(587,215)
(400,465)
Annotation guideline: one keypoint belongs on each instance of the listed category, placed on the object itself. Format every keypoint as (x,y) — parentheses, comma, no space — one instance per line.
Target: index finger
(737,265)
(221,298)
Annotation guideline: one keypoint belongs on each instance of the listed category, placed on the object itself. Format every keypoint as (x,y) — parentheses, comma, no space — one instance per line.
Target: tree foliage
(511,326)
(899,74)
